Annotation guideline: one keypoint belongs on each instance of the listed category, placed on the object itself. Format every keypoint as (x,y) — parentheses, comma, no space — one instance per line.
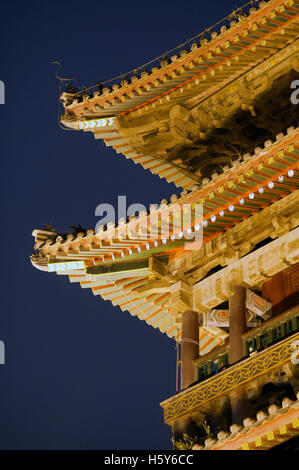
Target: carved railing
(202,396)
(259,339)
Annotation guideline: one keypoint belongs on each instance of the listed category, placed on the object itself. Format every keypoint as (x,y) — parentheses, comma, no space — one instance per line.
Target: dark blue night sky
(79,373)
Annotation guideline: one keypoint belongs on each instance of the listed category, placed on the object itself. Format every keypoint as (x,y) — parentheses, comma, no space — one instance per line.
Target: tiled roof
(251,184)
(204,62)
(245,47)
(227,200)
(280,424)
(116,267)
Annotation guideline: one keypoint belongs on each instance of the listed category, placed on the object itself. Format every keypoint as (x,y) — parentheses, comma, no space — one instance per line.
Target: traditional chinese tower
(219,118)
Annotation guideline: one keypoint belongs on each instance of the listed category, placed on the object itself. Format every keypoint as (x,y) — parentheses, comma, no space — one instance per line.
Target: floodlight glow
(95,123)
(66,266)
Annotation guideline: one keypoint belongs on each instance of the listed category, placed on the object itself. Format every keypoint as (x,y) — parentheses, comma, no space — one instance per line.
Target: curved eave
(208,66)
(270,429)
(277,159)
(41,266)
(269,175)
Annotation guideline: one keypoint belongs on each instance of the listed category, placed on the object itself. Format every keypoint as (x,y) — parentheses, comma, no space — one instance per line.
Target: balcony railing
(259,339)
(204,396)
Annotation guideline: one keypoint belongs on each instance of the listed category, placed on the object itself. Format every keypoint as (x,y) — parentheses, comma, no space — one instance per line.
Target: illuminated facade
(220,120)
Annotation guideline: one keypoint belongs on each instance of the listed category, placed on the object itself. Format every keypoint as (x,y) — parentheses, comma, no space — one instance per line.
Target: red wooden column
(237,323)
(240,406)
(189,352)
(189,346)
